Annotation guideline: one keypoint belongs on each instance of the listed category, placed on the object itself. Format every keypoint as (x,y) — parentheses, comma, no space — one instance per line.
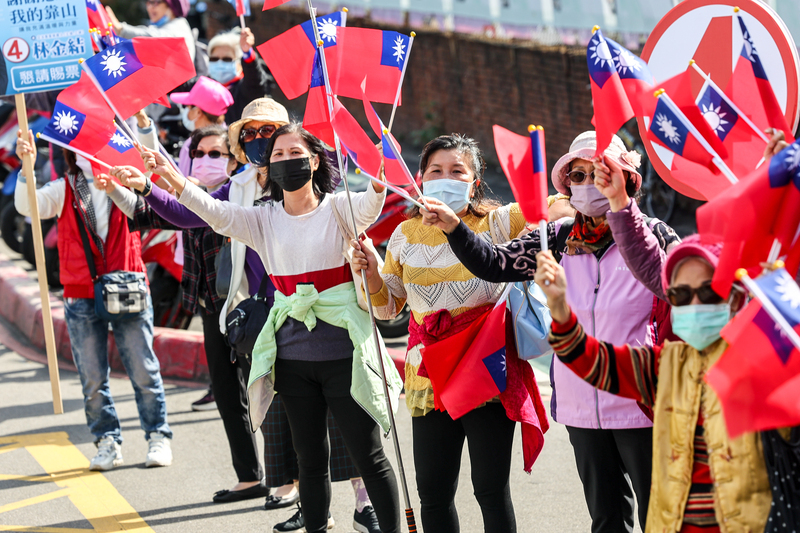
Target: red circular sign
(16,50)
(707,31)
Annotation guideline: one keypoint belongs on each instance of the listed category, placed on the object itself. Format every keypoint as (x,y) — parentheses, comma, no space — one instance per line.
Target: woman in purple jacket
(611,436)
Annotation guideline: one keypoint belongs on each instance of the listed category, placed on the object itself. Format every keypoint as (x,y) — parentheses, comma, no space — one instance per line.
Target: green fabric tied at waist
(337,306)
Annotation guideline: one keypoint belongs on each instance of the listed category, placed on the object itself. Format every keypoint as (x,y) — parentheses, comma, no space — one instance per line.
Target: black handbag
(245,322)
(783,468)
(118,294)
(224,269)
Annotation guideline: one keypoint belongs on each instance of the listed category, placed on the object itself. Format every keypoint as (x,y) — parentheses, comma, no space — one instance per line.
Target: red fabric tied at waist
(439,326)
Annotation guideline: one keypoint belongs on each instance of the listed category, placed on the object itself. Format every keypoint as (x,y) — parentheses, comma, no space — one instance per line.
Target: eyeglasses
(213,154)
(579,176)
(683,294)
(249,134)
(223,59)
(154,2)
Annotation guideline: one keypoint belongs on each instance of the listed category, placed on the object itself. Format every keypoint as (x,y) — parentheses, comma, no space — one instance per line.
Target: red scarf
(587,237)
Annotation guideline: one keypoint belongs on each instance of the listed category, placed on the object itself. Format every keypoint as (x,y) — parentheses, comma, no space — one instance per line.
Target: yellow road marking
(9,448)
(90,492)
(31,529)
(35,499)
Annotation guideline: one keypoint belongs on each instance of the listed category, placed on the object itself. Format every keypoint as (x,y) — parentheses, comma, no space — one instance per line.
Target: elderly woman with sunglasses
(611,436)
(702,480)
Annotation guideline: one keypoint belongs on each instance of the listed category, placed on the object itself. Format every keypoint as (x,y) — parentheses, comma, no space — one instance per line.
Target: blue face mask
(453,193)
(700,325)
(222,71)
(256,151)
(160,22)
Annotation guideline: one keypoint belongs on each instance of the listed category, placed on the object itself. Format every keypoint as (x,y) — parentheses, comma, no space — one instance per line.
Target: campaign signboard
(42,43)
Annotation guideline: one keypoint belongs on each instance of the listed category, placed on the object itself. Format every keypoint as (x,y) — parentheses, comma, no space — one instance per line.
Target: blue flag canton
(600,59)
(317,77)
(784,168)
(627,64)
(65,124)
(92,4)
(777,338)
(120,142)
(327,26)
(750,53)
(496,365)
(668,128)
(537,152)
(784,294)
(717,111)
(114,64)
(245,3)
(394,49)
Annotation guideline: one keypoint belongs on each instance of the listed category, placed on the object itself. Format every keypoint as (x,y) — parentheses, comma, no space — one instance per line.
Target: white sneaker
(159,451)
(109,454)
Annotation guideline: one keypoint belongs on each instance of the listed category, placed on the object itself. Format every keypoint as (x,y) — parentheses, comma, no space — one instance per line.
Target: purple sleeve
(168,207)
(639,247)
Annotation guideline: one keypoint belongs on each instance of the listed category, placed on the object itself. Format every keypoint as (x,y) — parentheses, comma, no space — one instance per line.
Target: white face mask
(86,167)
(187,122)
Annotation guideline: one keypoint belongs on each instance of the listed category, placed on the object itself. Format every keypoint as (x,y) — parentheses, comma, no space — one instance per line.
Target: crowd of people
(634,318)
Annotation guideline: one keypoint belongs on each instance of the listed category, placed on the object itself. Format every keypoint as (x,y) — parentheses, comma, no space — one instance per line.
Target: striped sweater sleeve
(626,371)
(389,301)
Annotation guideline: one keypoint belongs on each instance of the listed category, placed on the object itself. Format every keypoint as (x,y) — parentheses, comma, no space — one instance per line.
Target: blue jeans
(88,335)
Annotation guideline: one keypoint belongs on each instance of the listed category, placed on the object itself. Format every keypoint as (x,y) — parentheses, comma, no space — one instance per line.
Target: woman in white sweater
(316,339)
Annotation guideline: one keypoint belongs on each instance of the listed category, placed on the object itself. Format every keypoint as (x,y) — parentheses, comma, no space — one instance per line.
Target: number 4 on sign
(16,50)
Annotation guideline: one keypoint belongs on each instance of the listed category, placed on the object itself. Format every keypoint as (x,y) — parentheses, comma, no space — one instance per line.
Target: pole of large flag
(412,527)
(49,139)
(768,306)
(41,270)
(397,190)
(728,101)
(402,77)
(715,158)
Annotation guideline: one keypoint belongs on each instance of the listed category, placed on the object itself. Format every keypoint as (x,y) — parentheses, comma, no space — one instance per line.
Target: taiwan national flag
(290,55)
(355,141)
(119,151)
(523,161)
(469,368)
(757,379)
(243,7)
(317,118)
(98,18)
(269,4)
(378,55)
(395,167)
(749,83)
(81,118)
(136,73)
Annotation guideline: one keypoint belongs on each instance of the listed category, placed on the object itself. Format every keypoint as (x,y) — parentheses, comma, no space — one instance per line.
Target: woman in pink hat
(611,436)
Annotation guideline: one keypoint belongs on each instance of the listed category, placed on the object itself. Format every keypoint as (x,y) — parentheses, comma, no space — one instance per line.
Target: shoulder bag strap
(497,231)
(262,287)
(87,249)
(561,238)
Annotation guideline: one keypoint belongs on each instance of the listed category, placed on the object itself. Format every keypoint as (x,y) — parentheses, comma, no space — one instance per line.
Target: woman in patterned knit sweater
(445,298)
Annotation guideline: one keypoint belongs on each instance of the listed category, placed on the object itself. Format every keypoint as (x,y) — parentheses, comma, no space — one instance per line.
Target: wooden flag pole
(41,271)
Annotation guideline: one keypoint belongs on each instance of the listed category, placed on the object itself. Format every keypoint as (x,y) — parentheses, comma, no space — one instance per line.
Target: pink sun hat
(207,94)
(584,147)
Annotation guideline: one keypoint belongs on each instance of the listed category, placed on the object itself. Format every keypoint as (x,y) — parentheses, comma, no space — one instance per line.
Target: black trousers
(308,389)
(229,385)
(438,442)
(603,457)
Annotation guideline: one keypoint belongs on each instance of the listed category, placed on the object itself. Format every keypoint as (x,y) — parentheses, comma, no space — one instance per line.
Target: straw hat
(584,147)
(261,110)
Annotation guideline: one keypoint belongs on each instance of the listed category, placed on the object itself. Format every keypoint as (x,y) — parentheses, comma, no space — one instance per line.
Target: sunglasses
(249,134)
(225,59)
(683,294)
(579,176)
(213,154)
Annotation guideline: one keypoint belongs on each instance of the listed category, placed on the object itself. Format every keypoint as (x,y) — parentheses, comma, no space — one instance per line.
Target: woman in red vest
(79,205)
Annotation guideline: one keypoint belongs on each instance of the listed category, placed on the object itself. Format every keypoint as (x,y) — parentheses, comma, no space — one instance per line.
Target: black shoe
(279,502)
(206,403)
(229,496)
(366,521)
(297,524)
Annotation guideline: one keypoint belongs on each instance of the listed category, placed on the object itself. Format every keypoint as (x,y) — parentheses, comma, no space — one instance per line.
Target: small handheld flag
(242,7)
(269,4)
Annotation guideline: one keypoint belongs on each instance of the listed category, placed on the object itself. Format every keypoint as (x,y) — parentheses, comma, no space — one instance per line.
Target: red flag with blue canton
(355,141)
(469,368)
(118,151)
(757,379)
(634,74)
(98,18)
(523,161)
(749,69)
(378,55)
(136,73)
(317,117)
(81,118)
(612,108)
(395,167)
(290,55)
(243,7)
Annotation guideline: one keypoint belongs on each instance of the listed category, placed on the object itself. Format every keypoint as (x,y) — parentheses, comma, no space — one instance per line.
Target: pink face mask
(210,172)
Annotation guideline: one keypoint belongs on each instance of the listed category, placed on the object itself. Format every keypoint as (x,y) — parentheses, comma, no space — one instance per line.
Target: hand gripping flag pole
(402,77)
(767,304)
(412,527)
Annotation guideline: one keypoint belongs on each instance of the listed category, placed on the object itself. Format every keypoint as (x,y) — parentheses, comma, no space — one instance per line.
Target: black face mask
(290,174)
(256,151)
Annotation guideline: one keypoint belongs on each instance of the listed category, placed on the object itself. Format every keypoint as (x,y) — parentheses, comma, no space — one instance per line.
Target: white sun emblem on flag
(789,291)
(113,63)
(327,29)
(750,47)
(625,61)
(792,158)
(600,51)
(715,117)
(670,132)
(66,123)
(399,49)
(120,140)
